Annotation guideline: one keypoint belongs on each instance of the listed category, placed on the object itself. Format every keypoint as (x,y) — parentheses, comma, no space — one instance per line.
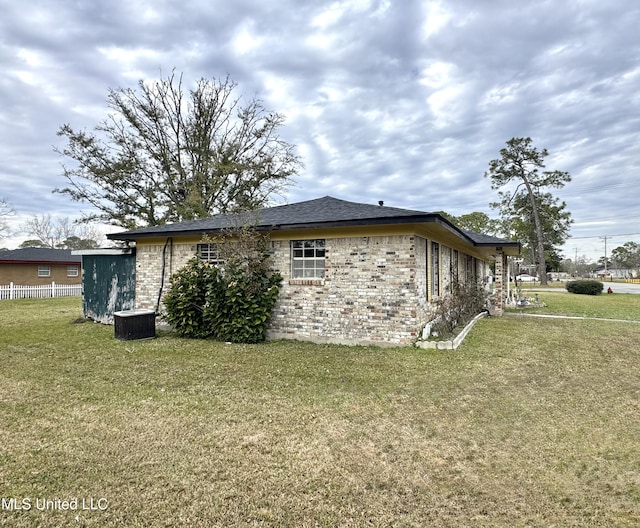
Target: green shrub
(186,299)
(585,287)
(230,303)
(241,313)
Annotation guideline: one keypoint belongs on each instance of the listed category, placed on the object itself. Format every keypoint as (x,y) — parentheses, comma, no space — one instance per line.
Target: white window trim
(312,265)
(44,271)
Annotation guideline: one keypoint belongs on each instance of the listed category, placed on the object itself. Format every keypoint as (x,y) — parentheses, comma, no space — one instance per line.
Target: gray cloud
(405,102)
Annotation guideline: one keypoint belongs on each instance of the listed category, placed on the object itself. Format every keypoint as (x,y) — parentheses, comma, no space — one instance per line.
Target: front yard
(531,422)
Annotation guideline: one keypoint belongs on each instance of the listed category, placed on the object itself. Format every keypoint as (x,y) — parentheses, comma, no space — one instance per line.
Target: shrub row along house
(353,273)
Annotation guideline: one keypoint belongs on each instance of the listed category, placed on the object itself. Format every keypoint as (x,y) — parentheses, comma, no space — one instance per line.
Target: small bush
(462,304)
(585,287)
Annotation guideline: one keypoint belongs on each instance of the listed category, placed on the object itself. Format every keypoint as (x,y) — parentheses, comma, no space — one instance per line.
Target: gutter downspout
(169,242)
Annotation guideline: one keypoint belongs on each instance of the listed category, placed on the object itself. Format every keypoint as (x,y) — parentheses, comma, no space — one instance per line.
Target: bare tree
(6,210)
(60,233)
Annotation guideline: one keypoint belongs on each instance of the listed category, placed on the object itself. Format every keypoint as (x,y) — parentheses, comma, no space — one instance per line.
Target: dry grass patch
(540,430)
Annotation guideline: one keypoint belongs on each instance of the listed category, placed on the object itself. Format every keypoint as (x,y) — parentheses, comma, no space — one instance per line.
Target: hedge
(585,287)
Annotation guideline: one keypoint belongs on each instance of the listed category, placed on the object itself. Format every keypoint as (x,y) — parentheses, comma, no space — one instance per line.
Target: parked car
(526,278)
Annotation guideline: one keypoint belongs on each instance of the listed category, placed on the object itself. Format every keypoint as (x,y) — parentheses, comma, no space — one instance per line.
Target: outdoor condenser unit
(134,324)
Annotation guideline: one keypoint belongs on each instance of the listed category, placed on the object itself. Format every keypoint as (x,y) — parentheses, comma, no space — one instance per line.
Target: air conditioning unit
(134,324)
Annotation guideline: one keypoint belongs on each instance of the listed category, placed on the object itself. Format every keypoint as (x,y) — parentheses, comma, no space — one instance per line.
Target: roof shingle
(39,255)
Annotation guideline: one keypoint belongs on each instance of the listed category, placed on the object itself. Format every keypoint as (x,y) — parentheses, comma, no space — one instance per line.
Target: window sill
(306,282)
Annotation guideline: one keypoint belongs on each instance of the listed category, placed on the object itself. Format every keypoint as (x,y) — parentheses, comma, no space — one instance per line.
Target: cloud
(405,102)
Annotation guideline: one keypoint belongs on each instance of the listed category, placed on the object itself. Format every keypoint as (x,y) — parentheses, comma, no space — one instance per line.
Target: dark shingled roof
(318,213)
(480,239)
(42,255)
(327,211)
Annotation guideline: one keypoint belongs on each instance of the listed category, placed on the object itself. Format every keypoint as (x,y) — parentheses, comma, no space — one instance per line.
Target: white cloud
(246,40)
(437,17)
(401,101)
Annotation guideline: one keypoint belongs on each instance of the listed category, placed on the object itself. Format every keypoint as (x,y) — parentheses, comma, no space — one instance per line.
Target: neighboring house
(36,266)
(353,273)
(612,272)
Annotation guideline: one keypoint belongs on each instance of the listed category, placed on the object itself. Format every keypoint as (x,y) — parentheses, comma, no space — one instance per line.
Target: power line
(608,236)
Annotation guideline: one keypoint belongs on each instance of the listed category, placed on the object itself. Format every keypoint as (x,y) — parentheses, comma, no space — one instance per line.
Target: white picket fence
(42,291)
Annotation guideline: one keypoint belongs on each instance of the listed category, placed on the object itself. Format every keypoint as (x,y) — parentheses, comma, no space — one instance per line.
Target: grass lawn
(531,422)
(624,306)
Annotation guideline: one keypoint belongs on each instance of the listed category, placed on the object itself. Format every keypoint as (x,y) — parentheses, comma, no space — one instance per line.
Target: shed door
(108,285)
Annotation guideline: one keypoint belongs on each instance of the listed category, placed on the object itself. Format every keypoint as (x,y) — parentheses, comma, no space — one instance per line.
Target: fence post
(11,290)
(53,289)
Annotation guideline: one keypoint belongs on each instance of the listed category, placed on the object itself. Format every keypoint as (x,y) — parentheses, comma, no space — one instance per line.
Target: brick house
(353,273)
(39,266)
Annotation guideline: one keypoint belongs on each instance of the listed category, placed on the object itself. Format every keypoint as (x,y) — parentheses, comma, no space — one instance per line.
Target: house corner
(499,292)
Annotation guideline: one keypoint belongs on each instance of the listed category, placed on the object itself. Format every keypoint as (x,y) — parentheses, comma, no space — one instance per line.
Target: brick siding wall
(27,274)
(369,293)
(376,290)
(150,269)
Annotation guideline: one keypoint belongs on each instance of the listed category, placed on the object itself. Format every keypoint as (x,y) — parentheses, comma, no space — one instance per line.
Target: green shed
(108,282)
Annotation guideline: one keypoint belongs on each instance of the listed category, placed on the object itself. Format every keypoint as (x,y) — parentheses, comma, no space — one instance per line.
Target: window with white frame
(209,253)
(307,259)
(44,271)
(72,271)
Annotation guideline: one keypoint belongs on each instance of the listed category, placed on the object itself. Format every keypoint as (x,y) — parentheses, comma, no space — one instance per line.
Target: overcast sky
(402,101)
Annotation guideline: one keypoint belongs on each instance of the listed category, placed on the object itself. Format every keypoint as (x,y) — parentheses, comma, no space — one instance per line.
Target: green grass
(530,423)
(624,306)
